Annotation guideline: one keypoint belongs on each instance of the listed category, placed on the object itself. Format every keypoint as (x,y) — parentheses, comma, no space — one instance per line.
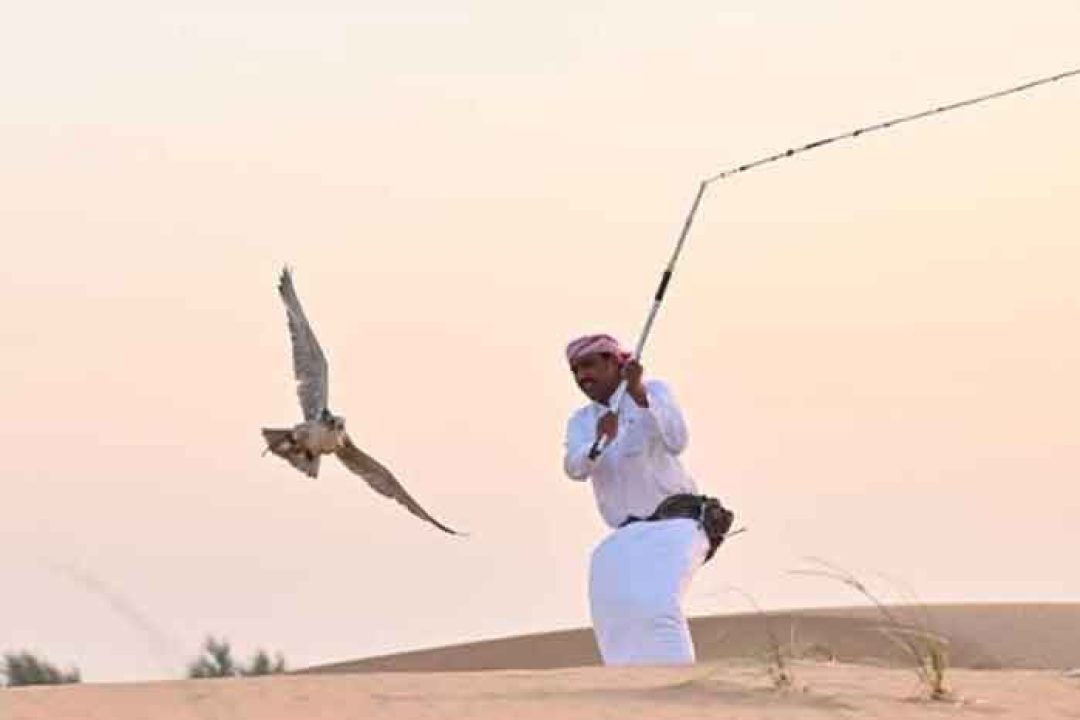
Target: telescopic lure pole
(665,279)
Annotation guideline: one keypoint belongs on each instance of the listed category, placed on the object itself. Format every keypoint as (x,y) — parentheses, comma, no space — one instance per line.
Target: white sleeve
(579,440)
(669,419)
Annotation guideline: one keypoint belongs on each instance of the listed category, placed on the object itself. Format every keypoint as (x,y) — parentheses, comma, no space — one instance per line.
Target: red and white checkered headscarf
(601,343)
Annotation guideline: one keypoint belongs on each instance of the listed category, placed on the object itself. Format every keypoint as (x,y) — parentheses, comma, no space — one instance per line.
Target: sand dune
(1018,636)
(706,691)
(1025,652)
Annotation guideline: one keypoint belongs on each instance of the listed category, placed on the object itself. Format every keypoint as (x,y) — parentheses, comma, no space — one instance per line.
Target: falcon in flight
(322,432)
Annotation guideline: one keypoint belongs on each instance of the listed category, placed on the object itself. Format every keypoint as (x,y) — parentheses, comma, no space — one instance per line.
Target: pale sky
(875,344)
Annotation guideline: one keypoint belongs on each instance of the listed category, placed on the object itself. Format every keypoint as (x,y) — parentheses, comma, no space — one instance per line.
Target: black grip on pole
(663,285)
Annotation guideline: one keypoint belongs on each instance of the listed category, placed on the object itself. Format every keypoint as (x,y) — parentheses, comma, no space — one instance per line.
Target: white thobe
(641,466)
(639,573)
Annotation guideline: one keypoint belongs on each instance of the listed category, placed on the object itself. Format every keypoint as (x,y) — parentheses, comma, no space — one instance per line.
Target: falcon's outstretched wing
(309,363)
(383,481)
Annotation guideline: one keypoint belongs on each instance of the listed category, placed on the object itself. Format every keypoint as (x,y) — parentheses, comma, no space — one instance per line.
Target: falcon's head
(336,422)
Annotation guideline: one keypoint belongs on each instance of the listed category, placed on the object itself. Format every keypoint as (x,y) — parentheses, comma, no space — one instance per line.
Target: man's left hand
(633,372)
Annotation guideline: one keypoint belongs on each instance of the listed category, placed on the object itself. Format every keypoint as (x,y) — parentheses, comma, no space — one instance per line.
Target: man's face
(597,374)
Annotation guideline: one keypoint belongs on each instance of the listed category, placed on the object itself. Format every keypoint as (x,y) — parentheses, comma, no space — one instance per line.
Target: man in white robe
(640,572)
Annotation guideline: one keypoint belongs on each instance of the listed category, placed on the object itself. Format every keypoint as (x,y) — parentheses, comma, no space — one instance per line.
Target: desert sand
(705,691)
(1024,654)
(1029,636)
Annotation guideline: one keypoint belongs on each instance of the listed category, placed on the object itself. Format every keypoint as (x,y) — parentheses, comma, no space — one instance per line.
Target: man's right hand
(607,427)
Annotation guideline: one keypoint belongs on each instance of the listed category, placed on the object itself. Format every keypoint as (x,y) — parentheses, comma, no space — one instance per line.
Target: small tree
(217,661)
(261,664)
(25,668)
